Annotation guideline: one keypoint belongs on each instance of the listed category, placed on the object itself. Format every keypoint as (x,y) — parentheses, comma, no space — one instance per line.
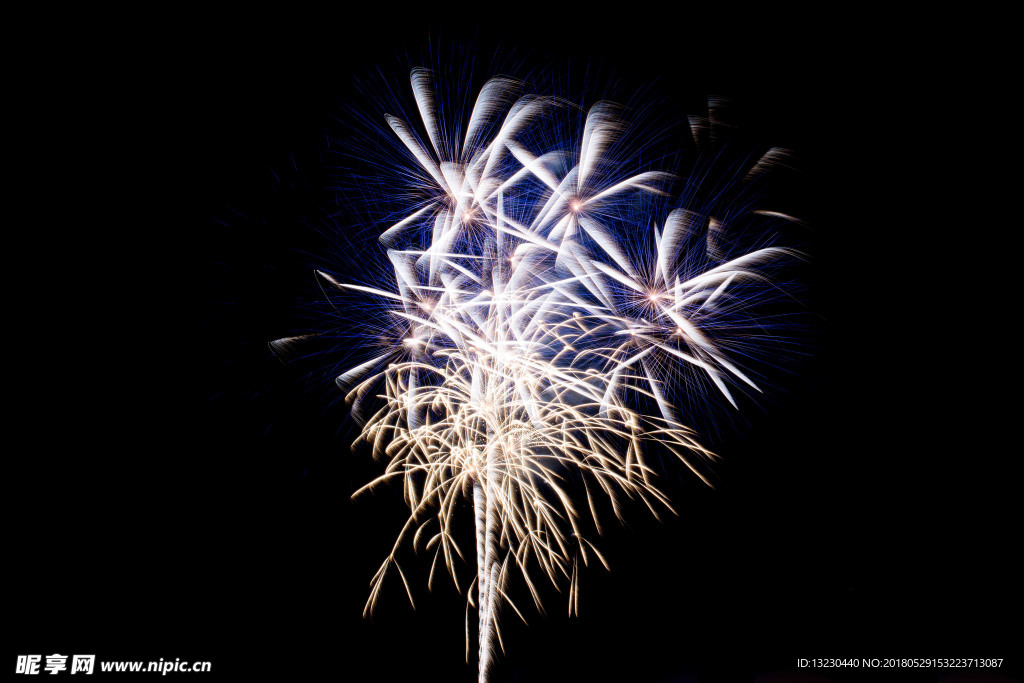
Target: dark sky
(185,494)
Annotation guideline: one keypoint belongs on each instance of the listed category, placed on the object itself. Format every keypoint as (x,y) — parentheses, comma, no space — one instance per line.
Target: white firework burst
(542,341)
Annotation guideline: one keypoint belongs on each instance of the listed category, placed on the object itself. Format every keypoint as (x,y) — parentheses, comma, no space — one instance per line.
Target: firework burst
(542,330)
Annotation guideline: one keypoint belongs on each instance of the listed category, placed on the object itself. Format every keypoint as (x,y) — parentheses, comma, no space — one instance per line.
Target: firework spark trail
(534,338)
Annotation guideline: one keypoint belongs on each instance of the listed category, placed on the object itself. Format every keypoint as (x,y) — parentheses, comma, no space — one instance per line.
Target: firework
(543,331)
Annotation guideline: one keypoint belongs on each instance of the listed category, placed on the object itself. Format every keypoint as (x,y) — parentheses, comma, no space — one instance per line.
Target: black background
(179,492)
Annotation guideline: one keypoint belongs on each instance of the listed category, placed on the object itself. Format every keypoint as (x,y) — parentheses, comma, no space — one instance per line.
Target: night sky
(185,494)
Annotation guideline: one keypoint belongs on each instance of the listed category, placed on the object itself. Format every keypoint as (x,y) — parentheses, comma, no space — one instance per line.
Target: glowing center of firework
(575,205)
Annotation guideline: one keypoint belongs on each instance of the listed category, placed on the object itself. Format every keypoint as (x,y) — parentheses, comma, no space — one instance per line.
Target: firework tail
(486,521)
(484,562)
